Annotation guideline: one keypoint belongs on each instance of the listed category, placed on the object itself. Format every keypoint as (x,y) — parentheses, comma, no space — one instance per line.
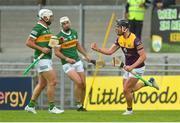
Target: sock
(150,80)
(51,105)
(32,103)
(129,109)
(145,84)
(78,104)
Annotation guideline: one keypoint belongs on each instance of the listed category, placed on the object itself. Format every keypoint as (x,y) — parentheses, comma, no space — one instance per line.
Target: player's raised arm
(106,51)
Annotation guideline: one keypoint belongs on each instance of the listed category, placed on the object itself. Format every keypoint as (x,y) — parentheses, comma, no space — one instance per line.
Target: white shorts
(78,67)
(44,65)
(139,71)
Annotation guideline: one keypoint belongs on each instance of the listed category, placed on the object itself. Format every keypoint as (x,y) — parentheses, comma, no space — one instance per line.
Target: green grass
(106,116)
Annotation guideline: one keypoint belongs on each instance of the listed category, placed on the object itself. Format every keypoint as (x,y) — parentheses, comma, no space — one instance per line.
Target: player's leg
(83,79)
(73,75)
(128,86)
(128,89)
(50,76)
(139,71)
(69,69)
(138,86)
(128,93)
(39,87)
(80,70)
(51,79)
(79,87)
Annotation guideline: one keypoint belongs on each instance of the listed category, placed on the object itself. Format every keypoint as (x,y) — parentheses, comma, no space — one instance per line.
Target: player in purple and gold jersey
(135,56)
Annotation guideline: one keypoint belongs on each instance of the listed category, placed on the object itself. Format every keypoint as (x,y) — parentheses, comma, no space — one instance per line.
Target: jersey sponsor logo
(70,37)
(45,32)
(65,39)
(129,46)
(33,32)
(74,36)
(125,50)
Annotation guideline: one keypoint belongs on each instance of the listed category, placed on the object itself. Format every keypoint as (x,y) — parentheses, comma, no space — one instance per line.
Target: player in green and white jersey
(38,40)
(72,65)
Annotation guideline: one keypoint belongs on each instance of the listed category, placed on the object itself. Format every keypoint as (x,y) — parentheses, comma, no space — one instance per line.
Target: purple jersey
(130,47)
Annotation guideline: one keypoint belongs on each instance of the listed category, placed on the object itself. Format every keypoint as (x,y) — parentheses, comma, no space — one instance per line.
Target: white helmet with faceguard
(45,13)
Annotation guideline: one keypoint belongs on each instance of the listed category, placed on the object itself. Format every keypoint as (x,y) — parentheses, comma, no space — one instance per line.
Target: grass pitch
(96,116)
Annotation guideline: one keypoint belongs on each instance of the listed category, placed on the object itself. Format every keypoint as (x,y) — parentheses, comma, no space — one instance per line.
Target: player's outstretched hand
(45,50)
(94,46)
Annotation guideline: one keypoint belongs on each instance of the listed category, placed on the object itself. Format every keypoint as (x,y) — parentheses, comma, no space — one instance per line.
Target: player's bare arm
(141,59)
(83,52)
(31,43)
(106,51)
(61,56)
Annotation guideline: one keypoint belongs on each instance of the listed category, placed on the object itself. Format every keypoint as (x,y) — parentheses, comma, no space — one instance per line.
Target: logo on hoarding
(13,98)
(15,92)
(156,43)
(107,94)
(111,96)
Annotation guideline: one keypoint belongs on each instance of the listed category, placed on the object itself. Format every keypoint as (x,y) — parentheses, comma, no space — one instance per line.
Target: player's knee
(80,85)
(53,82)
(126,90)
(83,86)
(42,85)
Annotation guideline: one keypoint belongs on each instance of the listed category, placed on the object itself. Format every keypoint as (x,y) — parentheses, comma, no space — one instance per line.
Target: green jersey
(42,35)
(69,45)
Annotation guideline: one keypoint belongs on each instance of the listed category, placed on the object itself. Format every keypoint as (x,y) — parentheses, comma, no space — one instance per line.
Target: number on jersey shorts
(44,65)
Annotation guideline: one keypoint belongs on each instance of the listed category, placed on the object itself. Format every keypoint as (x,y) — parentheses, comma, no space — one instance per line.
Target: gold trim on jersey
(139,47)
(69,44)
(43,38)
